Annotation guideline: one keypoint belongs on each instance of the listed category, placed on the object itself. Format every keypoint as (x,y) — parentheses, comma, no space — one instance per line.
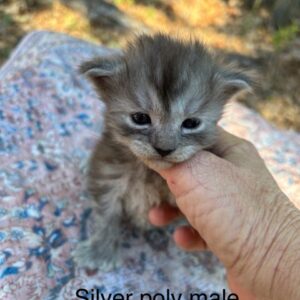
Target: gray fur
(170,80)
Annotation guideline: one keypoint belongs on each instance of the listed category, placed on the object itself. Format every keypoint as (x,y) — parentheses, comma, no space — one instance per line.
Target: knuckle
(246,145)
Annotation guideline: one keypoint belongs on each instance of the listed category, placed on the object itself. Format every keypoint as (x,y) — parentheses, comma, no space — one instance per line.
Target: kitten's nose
(163,152)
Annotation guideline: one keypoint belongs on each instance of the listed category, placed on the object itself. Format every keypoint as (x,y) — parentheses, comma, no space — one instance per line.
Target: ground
(224,26)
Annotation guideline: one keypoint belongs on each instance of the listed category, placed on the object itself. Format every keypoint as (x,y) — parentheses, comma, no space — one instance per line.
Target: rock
(290,57)
(244,61)
(284,12)
(100,13)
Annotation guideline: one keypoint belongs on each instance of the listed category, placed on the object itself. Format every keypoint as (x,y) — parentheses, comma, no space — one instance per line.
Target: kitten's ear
(235,81)
(102,70)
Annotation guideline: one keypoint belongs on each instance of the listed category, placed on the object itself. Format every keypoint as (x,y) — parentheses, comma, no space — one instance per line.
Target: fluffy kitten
(164,98)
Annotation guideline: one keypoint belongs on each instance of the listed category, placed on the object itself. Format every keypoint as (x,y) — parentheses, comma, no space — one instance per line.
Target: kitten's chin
(157,165)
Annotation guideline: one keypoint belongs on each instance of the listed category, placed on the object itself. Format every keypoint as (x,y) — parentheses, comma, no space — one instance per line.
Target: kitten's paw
(91,256)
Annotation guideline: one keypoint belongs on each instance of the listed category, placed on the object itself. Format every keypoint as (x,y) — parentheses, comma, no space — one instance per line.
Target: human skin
(236,209)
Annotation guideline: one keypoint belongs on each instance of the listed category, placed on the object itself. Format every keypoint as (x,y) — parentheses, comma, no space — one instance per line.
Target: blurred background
(259,34)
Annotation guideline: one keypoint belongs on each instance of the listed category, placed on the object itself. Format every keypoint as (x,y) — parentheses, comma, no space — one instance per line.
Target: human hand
(236,210)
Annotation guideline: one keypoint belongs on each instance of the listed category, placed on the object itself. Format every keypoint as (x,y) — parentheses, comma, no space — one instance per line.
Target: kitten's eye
(141,119)
(192,123)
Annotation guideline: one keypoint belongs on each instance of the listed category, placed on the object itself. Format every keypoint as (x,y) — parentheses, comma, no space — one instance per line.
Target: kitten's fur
(171,81)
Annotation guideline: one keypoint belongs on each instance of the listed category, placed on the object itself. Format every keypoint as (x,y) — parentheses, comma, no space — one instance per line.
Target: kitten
(164,98)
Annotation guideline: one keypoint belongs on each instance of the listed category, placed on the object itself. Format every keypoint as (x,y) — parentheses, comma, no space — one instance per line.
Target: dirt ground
(227,28)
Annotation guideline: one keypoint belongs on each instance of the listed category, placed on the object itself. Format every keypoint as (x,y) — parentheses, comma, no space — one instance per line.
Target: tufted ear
(233,82)
(102,71)
(102,66)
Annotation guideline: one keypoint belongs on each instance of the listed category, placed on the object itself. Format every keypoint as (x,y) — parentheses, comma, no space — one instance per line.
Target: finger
(193,173)
(225,142)
(205,169)
(189,239)
(236,150)
(163,214)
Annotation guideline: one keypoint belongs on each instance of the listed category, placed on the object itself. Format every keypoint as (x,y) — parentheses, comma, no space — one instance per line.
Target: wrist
(269,263)
(283,258)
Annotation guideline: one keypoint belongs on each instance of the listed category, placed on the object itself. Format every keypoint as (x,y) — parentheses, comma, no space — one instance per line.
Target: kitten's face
(163,98)
(161,134)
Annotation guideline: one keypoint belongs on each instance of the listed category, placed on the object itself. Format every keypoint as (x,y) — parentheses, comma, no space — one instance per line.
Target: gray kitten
(164,98)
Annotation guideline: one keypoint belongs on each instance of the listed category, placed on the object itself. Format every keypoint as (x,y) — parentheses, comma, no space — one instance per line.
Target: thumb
(203,172)
(202,187)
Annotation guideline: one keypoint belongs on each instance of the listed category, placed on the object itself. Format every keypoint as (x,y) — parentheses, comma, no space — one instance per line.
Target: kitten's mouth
(158,164)
(161,163)
(155,161)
